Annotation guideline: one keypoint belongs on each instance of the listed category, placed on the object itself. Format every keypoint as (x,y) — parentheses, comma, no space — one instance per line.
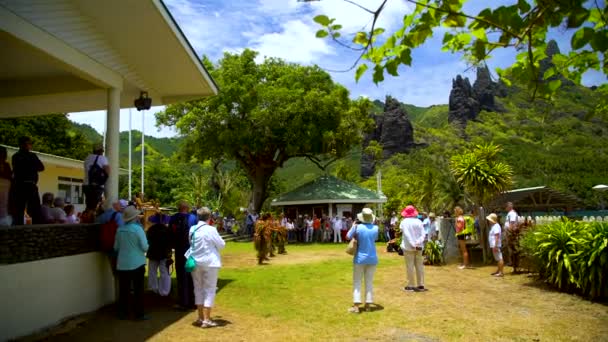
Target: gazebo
(539,198)
(327,195)
(65,56)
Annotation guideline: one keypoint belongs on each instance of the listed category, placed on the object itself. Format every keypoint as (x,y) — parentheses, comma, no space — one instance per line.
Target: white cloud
(295,43)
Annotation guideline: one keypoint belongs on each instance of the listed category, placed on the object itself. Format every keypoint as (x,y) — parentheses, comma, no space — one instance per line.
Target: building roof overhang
(63,56)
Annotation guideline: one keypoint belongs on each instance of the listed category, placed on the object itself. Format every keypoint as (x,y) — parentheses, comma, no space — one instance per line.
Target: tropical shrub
(591,260)
(433,250)
(557,243)
(570,255)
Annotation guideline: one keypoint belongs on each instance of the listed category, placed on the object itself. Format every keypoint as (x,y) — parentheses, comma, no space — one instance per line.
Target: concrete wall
(49,273)
(42,293)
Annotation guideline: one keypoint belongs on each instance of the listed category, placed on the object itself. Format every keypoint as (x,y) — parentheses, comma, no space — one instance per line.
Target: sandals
(354,309)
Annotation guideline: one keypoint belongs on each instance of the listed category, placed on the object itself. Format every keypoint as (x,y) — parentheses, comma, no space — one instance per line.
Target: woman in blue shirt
(131,246)
(365,259)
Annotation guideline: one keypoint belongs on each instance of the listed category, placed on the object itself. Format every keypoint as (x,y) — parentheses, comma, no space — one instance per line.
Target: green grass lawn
(304,295)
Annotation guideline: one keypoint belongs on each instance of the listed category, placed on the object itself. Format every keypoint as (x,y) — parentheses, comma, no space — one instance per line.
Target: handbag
(190,262)
(353,244)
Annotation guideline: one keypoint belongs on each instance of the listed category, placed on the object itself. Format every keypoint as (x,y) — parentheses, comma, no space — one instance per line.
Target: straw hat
(366,216)
(432,215)
(492,218)
(409,211)
(130,214)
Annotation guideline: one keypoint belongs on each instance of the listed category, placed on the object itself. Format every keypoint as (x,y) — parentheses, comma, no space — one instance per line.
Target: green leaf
(378,74)
(405,57)
(322,20)
(480,34)
(360,38)
(378,31)
(454,20)
(360,71)
(336,35)
(577,18)
(599,42)
(322,34)
(523,6)
(336,27)
(581,37)
(391,67)
(550,72)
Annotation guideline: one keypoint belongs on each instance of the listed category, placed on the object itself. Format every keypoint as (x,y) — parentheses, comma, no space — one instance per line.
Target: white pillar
(331,210)
(113,141)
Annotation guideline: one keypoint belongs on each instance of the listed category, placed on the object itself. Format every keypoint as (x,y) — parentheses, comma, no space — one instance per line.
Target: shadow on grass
(536,282)
(374,307)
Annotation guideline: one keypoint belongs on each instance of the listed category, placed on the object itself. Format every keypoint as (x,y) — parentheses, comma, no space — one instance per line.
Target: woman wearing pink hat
(411,243)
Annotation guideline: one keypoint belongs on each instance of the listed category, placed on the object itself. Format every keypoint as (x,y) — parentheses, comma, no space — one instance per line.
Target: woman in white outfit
(205,246)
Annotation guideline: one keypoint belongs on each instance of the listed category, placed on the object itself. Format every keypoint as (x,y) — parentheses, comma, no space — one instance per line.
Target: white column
(113,141)
(331,210)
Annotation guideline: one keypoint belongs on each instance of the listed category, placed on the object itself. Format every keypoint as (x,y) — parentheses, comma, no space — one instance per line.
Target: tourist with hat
(412,243)
(131,246)
(495,243)
(365,258)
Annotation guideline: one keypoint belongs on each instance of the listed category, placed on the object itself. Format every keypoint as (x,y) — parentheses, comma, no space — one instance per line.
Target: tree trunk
(483,231)
(259,177)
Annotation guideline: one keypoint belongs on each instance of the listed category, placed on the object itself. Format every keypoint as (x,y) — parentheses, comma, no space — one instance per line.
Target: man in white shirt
(91,188)
(337,227)
(513,234)
(411,243)
(56,212)
(309,228)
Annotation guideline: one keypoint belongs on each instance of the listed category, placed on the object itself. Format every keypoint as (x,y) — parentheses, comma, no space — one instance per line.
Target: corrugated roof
(328,189)
(536,198)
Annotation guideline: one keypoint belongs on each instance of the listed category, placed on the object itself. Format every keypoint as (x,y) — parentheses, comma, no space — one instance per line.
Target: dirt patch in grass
(303,296)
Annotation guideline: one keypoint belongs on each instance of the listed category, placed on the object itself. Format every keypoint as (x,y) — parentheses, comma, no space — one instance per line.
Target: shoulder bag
(353,244)
(190,262)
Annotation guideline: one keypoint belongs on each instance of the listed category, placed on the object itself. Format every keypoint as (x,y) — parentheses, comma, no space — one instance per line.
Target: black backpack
(97,175)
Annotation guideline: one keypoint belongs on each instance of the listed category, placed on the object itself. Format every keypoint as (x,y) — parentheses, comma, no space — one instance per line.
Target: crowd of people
(185,235)
(416,230)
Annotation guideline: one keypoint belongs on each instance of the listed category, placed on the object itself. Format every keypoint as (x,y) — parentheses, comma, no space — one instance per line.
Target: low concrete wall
(50,273)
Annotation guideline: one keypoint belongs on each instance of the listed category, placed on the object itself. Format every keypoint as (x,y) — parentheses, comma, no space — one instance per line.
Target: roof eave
(329,201)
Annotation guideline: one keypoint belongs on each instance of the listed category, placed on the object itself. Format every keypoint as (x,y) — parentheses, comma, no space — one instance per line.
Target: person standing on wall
(26,167)
(96,173)
(512,229)
(412,242)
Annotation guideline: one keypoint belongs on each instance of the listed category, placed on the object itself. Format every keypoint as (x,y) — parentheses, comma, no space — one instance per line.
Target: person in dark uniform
(26,166)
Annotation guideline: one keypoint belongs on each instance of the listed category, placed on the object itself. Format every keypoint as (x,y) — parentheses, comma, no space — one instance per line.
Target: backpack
(108,234)
(97,175)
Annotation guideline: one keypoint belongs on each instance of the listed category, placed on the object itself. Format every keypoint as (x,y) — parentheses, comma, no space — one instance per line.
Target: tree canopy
(266,113)
(522,26)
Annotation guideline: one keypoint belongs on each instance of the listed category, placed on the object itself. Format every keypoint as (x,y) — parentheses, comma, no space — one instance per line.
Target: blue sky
(284,28)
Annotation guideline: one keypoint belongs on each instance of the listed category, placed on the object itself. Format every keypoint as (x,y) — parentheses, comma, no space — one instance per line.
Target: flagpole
(130,147)
(143,148)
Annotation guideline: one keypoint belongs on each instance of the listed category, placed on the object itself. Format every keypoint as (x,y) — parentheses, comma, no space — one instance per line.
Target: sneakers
(409,289)
(208,324)
(420,289)
(354,309)
(461,267)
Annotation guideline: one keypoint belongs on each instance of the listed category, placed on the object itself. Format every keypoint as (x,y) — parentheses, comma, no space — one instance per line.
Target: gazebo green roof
(328,189)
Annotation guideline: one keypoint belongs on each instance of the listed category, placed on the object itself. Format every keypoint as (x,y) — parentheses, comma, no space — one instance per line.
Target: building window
(70,189)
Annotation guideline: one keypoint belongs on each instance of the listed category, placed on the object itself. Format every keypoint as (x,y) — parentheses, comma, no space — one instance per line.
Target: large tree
(522,26)
(266,113)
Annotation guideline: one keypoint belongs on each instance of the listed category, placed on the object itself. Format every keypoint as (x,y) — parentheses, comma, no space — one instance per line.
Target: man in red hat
(411,243)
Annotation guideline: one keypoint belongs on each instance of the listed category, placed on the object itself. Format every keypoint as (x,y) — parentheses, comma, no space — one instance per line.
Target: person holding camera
(412,242)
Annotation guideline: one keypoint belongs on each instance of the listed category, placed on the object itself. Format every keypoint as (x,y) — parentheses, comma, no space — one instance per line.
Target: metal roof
(537,198)
(328,189)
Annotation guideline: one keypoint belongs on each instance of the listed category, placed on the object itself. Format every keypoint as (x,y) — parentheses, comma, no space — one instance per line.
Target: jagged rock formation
(393,131)
(467,101)
(546,63)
